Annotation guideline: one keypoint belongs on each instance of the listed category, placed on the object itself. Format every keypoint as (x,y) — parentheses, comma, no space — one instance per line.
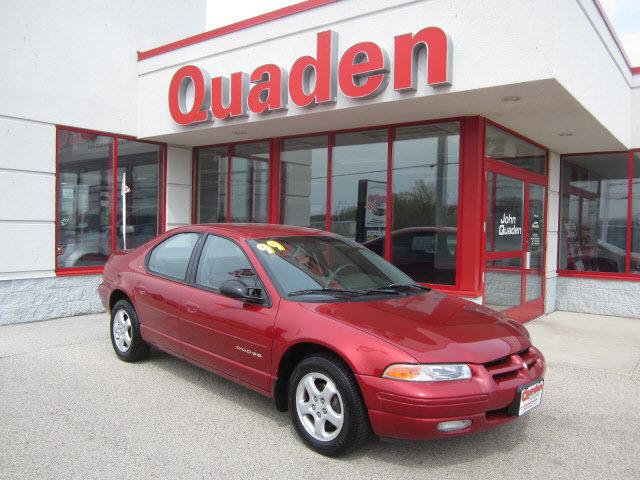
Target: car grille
(509,367)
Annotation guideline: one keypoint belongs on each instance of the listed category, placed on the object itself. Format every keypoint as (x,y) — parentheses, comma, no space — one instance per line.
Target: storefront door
(514,270)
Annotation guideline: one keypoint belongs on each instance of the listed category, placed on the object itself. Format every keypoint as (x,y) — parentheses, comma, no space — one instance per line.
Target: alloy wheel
(319,406)
(122,330)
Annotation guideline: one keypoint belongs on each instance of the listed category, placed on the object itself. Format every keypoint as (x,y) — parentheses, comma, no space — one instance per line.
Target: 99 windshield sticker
(270,247)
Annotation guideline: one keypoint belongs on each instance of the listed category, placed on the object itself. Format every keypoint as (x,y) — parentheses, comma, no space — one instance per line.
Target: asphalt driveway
(70,409)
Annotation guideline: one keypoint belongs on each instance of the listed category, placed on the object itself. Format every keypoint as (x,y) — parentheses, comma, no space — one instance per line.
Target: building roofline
(309,5)
(234,27)
(605,18)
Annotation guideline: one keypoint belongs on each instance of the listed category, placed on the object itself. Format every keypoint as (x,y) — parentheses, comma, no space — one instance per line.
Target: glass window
(594,205)
(303,182)
(212,184)
(509,148)
(425,202)
(222,260)
(346,269)
(635,215)
(359,185)
(503,283)
(171,257)
(250,182)
(87,196)
(85,179)
(138,179)
(505,232)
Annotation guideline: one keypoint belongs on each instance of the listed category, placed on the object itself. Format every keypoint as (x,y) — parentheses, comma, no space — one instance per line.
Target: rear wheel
(326,406)
(125,333)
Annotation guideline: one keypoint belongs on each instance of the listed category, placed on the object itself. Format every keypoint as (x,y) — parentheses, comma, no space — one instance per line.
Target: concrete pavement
(70,409)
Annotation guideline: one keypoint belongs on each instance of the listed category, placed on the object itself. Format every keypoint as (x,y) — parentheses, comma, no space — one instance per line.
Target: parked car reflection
(426,254)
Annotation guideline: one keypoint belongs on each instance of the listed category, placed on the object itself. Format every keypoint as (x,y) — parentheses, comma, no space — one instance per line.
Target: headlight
(428,373)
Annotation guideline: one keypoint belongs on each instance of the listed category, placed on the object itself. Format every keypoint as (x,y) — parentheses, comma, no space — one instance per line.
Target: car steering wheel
(339,269)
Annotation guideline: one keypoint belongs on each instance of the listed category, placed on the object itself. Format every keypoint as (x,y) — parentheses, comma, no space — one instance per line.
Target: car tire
(125,333)
(326,405)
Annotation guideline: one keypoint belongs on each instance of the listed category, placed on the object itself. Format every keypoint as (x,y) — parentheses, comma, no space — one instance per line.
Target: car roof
(248,231)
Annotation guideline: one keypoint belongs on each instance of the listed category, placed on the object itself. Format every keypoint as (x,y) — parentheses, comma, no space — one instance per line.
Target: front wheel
(326,406)
(125,333)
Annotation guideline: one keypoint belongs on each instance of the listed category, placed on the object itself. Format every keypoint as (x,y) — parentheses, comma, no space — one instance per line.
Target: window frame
(469,283)
(274,169)
(194,263)
(187,274)
(626,275)
(113,210)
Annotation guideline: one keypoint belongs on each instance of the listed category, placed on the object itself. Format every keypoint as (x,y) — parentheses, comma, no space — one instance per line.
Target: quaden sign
(362,71)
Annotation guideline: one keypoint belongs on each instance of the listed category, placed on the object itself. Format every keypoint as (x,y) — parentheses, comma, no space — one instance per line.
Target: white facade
(65,63)
(75,64)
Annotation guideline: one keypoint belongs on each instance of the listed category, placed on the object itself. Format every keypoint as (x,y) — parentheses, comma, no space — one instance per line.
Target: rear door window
(171,257)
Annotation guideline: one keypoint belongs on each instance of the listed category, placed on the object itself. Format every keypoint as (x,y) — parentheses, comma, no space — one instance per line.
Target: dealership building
(488,149)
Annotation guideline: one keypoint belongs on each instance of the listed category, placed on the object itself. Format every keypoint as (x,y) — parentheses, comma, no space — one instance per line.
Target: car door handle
(191,307)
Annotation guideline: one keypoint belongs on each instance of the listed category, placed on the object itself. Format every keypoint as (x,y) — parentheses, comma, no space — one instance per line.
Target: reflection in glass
(303,182)
(535,242)
(425,201)
(593,223)
(503,283)
(212,184)
(635,216)
(250,182)
(359,184)
(138,166)
(508,148)
(84,199)
(504,225)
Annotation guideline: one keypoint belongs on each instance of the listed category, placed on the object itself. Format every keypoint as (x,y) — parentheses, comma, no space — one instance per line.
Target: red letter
(270,90)
(363,70)
(408,47)
(225,103)
(324,66)
(198,112)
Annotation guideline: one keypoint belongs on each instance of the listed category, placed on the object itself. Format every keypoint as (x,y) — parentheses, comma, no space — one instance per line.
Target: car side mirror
(237,289)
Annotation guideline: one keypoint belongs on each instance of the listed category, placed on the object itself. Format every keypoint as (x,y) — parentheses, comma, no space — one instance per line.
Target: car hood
(433,327)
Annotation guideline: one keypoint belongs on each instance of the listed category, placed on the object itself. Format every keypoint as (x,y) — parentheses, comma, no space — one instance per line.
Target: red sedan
(332,332)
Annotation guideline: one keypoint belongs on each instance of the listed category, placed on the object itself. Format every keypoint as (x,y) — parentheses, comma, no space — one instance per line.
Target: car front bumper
(411,410)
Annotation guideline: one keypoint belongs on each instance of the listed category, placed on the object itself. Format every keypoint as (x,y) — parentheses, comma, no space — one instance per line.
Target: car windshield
(303,266)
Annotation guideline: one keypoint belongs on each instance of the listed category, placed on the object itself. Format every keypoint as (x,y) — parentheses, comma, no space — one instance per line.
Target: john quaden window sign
(509,225)
(363,71)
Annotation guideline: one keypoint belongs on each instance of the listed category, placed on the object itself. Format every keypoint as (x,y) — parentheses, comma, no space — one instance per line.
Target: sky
(625,18)
(623,14)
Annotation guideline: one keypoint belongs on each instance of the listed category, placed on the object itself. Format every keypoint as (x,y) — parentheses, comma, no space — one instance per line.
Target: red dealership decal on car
(363,71)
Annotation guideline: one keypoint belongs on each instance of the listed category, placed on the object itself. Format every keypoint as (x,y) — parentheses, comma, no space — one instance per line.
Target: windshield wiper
(328,291)
(370,291)
(405,286)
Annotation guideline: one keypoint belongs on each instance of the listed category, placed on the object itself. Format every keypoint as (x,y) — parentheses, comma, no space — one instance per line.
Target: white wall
(488,40)
(635,114)
(553,209)
(178,186)
(556,54)
(71,63)
(27,199)
(590,65)
(74,62)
